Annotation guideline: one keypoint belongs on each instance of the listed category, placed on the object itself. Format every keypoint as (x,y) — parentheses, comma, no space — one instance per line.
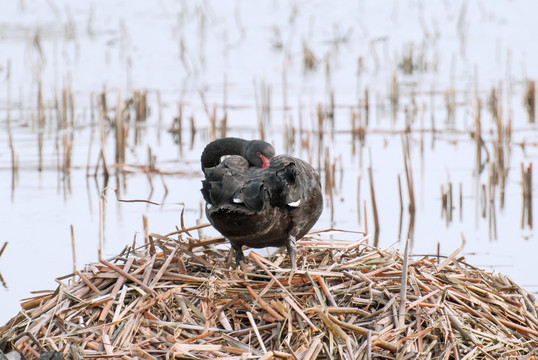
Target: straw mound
(182,299)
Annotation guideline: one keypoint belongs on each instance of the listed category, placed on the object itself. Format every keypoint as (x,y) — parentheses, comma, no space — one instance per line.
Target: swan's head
(259,153)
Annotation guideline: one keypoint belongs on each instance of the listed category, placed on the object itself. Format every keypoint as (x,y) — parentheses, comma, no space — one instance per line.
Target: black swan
(257,199)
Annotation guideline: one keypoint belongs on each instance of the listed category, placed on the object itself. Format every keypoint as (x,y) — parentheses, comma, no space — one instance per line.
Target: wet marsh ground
(419,116)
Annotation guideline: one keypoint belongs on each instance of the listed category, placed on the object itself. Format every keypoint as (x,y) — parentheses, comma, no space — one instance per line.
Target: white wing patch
(295,203)
(237,200)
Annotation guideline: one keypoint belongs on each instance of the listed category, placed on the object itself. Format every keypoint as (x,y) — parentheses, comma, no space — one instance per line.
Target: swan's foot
(291,245)
(239,256)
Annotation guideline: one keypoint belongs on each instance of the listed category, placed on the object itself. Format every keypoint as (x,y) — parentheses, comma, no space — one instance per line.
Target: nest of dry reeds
(179,297)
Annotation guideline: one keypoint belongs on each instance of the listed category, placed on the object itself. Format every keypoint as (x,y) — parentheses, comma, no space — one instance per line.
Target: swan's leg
(291,245)
(239,256)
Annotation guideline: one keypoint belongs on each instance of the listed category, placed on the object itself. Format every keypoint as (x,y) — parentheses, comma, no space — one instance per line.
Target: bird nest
(180,297)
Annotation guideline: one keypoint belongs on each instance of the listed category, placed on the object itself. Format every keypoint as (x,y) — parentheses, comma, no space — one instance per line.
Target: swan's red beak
(265,162)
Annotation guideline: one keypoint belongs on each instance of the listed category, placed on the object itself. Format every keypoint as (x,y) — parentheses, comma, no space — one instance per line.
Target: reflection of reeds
(477,134)
(394,94)
(501,144)
(121,131)
(483,201)
(492,211)
(309,58)
(447,205)
(263,106)
(40,126)
(450,105)
(529,100)
(366,107)
(140,105)
(102,136)
(14,162)
(65,115)
(159,115)
(177,128)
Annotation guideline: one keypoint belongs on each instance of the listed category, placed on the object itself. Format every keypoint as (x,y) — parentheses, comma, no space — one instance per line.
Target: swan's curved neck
(227,146)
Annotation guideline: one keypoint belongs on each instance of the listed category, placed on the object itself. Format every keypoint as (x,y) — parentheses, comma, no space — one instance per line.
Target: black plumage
(257,199)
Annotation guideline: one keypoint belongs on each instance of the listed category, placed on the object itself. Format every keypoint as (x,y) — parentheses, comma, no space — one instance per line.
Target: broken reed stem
(256,331)
(3,248)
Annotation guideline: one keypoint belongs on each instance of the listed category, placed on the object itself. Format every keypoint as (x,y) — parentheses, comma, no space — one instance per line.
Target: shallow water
(230,58)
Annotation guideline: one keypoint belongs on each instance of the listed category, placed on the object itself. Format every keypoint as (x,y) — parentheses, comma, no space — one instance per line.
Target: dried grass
(181,298)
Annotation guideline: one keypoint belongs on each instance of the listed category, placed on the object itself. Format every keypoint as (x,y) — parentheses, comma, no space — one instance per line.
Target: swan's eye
(259,153)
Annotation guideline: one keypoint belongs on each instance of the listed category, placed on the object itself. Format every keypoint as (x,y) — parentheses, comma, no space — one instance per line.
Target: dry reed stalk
(102,153)
(373,199)
(3,248)
(409,173)
(400,196)
(73,248)
(193,130)
(120,127)
(527,214)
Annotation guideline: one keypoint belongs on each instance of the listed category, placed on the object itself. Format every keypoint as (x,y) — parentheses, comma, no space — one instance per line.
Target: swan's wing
(224,179)
(296,179)
(287,182)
